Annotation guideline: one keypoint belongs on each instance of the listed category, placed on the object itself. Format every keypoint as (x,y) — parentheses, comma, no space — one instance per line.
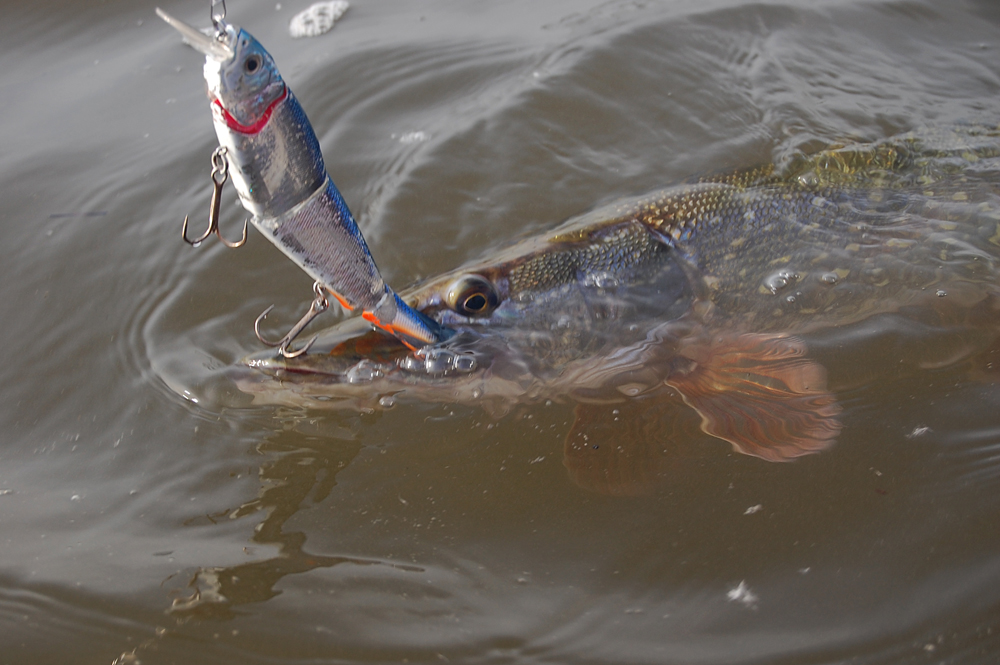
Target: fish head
(566,312)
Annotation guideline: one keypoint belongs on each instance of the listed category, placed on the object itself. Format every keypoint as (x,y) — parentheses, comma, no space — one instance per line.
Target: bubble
(601,280)
(465,363)
(438,361)
(413,137)
(780,280)
(742,594)
(829,278)
(941,293)
(364,372)
(412,364)
(387,401)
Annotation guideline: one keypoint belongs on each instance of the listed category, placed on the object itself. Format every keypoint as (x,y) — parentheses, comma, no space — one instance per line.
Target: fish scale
(614,254)
(823,230)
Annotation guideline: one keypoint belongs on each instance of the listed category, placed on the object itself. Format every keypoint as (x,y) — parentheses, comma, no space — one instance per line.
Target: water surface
(150,513)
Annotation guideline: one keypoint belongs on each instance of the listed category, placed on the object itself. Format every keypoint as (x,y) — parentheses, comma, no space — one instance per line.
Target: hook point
(239,243)
(295,354)
(256,328)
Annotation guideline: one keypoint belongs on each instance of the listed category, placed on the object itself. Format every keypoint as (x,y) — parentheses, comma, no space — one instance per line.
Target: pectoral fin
(761,394)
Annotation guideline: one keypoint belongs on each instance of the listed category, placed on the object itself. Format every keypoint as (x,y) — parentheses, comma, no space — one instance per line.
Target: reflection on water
(150,513)
(293,477)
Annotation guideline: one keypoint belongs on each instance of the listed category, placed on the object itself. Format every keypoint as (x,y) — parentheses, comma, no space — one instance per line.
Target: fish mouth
(213,47)
(354,353)
(353,367)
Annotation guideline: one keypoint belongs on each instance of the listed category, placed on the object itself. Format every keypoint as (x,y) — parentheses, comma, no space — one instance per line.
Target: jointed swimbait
(278,171)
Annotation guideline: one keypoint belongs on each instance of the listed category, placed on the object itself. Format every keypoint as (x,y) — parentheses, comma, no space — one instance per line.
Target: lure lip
(214,48)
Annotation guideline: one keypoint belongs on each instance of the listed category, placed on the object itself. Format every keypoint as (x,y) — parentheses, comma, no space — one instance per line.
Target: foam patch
(317,19)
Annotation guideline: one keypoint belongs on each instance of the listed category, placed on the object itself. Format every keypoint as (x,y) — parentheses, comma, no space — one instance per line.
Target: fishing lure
(269,149)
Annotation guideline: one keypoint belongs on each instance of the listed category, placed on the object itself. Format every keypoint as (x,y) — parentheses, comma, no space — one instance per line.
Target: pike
(268,146)
(692,310)
(687,310)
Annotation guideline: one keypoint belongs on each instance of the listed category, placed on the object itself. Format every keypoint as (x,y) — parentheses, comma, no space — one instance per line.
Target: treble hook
(220,174)
(319,305)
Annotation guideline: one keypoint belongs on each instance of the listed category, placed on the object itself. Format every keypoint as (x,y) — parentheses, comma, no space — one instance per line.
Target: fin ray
(761,394)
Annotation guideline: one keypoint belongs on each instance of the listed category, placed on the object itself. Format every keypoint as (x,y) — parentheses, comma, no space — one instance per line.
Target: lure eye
(252,64)
(472,295)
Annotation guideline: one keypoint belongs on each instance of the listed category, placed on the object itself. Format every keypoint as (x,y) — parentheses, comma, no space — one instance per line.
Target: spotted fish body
(703,291)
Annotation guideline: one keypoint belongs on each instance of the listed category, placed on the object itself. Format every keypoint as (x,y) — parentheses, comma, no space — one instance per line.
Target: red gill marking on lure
(235,125)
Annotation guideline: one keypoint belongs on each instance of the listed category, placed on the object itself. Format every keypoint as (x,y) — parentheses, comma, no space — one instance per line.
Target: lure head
(243,80)
(269,141)
(245,86)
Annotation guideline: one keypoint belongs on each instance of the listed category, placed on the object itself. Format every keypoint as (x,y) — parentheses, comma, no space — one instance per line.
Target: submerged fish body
(701,293)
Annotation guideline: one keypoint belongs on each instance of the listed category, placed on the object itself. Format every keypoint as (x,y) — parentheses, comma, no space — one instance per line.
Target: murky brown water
(138,523)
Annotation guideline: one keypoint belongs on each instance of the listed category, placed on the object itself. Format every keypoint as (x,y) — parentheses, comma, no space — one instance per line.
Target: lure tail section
(413,329)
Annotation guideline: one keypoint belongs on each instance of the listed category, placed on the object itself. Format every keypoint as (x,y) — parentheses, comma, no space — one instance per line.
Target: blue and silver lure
(279,174)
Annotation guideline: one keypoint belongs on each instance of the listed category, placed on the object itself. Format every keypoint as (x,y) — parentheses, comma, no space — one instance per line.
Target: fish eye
(252,64)
(472,295)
